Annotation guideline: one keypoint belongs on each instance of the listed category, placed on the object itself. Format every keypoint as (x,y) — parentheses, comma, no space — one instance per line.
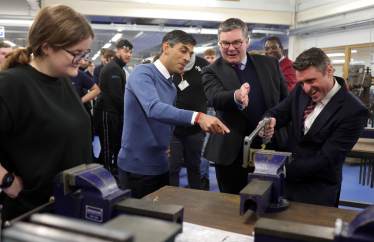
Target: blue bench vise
(90,192)
(265,189)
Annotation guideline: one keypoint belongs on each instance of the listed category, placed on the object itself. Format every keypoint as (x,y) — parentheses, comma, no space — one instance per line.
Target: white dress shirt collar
(281,58)
(331,93)
(162,69)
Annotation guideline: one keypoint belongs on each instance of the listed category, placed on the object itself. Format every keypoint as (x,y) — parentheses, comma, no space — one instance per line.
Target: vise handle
(247,153)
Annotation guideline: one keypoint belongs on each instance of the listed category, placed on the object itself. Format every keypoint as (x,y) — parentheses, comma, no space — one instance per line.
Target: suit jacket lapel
(327,112)
(228,76)
(264,80)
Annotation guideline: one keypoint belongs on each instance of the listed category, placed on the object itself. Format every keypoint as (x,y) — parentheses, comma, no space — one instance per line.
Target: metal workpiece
(265,189)
(87,228)
(248,141)
(164,211)
(22,231)
(361,229)
(256,196)
(146,229)
(281,231)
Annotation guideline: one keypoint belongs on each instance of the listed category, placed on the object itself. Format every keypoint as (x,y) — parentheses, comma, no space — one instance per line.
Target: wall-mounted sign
(2,32)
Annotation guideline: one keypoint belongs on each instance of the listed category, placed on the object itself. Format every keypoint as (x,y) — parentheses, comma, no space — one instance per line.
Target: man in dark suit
(327,122)
(241,88)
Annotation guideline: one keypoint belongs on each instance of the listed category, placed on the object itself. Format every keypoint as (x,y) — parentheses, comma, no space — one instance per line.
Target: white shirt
(319,107)
(167,75)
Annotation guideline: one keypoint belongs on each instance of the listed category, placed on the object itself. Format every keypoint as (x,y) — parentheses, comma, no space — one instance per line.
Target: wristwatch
(7,180)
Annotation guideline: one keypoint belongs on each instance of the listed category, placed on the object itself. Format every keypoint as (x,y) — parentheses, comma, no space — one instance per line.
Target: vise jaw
(359,230)
(87,191)
(90,192)
(265,189)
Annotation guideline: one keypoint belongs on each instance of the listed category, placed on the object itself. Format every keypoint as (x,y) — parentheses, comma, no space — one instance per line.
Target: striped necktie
(311,106)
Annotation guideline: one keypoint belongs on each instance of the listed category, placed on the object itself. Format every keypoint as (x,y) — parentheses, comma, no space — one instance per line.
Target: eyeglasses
(236,44)
(271,47)
(78,57)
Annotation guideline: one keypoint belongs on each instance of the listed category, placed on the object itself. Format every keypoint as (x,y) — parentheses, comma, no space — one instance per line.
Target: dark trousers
(233,178)
(109,128)
(142,185)
(187,147)
(92,123)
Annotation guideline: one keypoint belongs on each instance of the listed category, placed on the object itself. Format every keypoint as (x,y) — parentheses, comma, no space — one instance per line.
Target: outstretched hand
(212,124)
(241,94)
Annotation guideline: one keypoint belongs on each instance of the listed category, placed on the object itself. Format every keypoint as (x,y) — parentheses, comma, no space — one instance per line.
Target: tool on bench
(361,229)
(89,192)
(265,189)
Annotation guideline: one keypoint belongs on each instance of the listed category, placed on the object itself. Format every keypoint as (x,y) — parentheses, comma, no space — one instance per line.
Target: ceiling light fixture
(116,37)
(335,54)
(15,22)
(107,45)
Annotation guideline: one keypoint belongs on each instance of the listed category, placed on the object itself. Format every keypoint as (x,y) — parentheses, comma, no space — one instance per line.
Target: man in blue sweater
(150,116)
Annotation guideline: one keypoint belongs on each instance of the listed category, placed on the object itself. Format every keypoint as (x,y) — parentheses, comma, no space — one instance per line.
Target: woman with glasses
(44,128)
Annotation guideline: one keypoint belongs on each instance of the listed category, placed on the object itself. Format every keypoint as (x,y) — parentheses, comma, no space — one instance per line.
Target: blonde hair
(254,52)
(58,25)
(210,51)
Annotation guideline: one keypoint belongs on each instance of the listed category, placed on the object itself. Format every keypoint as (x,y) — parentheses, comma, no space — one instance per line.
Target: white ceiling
(144,22)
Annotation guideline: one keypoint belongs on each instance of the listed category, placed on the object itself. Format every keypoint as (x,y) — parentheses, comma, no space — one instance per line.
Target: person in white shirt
(327,122)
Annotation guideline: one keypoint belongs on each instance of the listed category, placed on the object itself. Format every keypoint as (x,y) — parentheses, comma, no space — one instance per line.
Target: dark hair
(124,43)
(109,53)
(103,50)
(210,51)
(146,61)
(276,39)
(58,25)
(312,57)
(233,23)
(5,45)
(177,36)
(156,57)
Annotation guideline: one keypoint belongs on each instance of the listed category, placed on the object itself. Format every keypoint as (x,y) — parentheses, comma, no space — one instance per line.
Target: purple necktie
(311,106)
(239,66)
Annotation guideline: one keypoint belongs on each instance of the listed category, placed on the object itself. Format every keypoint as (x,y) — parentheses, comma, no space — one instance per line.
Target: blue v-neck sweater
(149,119)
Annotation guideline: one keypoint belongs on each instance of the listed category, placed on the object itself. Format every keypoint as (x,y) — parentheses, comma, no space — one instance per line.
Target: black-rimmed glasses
(236,44)
(78,57)
(271,47)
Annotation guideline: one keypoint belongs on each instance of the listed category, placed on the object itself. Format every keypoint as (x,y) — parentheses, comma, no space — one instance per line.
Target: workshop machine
(265,189)
(359,81)
(89,192)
